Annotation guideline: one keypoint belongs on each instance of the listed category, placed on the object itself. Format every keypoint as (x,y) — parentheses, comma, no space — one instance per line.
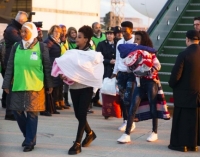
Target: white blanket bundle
(84,67)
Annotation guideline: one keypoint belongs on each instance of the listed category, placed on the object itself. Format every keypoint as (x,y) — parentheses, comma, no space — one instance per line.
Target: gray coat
(27,100)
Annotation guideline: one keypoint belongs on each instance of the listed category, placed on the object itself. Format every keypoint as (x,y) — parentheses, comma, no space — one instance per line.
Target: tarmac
(56,134)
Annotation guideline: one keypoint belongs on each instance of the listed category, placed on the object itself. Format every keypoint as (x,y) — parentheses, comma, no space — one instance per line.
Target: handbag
(109,86)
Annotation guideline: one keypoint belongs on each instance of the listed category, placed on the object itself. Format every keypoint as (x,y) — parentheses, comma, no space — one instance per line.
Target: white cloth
(84,67)
(34,33)
(119,64)
(109,86)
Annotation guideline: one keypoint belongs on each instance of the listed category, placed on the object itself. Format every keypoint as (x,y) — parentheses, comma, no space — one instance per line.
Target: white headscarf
(32,28)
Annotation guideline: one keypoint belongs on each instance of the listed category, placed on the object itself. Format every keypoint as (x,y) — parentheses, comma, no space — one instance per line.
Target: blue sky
(128,11)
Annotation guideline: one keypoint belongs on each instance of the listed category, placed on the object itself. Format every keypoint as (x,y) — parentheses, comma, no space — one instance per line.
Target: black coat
(109,52)
(185,78)
(11,35)
(54,52)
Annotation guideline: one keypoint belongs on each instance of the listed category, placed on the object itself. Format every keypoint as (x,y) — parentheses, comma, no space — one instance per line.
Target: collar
(30,46)
(86,48)
(16,24)
(95,35)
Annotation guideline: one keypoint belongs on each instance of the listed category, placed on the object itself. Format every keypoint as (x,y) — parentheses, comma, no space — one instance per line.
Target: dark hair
(94,24)
(87,32)
(193,35)
(145,39)
(197,18)
(127,24)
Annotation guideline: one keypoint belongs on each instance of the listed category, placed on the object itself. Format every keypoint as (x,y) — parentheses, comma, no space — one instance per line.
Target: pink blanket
(56,71)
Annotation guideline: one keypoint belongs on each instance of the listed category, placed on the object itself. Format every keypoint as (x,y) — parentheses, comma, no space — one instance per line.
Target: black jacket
(54,52)
(109,52)
(11,35)
(185,78)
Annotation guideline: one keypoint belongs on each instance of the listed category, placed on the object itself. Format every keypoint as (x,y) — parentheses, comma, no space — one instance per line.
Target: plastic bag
(109,86)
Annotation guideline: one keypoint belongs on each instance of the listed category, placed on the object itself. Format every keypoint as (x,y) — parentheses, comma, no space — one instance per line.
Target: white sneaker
(153,137)
(123,126)
(133,126)
(124,139)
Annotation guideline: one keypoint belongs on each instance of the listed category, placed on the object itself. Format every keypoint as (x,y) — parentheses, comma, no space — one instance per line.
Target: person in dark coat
(118,33)
(12,35)
(29,71)
(53,43)
(108,50)
(185,82)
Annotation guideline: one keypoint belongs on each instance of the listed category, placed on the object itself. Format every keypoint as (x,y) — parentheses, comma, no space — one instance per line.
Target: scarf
(71,40)
(34,33)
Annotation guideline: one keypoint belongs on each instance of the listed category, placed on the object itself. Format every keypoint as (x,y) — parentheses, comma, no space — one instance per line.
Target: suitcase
(111,106)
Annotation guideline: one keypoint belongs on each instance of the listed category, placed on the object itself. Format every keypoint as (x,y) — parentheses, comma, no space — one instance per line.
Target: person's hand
(63,77)
(112,61)
(50,91)
(113,75)
(7,91)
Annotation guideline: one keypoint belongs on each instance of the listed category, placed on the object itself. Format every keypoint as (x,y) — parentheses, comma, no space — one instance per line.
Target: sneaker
(123,126)
(75,149)
(133,126)
(88,139)
(124,139)
(153,137)
(90,111)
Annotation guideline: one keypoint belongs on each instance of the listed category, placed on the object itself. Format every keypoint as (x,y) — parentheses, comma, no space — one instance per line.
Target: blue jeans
(125,84)
(28,125)
(147,88)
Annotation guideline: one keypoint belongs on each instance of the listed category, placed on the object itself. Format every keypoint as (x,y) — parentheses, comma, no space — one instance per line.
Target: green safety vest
(72,45)
(97,40)
(28,69)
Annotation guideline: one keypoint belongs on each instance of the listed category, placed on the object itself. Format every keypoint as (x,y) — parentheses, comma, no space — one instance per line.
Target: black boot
(3,103)
(88,139)
(75,149)
(10,117)
(65,95)
(28,148)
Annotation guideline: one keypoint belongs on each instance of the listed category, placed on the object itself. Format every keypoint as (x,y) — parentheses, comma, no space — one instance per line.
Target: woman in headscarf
(27,75)
(53,44)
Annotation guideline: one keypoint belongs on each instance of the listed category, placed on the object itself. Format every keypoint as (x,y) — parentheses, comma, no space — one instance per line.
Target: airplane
(149,8)
(5,10)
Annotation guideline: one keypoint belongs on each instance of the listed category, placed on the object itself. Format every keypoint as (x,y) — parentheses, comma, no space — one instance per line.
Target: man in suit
(185,82)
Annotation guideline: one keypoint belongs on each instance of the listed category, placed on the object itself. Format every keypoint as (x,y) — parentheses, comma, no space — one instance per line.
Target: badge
(34,56)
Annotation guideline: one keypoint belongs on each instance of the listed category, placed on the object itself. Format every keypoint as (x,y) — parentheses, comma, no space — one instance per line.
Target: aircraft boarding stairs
(168,36)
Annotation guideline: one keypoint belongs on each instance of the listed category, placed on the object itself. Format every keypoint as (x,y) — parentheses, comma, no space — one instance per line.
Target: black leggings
(81,100)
